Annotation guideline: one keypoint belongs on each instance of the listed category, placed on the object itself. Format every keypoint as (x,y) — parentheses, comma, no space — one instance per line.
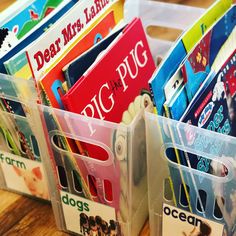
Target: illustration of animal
(34,181)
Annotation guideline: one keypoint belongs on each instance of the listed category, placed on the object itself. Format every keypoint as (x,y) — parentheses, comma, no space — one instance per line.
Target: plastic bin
(22,144)
(211,194)
(123,204)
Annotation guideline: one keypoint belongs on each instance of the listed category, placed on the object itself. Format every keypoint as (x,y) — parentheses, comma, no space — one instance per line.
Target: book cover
(113,92)
(214,109)
(30,16)
(34,34)
(180,49)
(47,50)
(18,26)
(199,62)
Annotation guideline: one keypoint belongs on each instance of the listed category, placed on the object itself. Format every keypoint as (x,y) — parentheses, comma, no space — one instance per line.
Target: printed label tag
(87,217)
(24,175)
(182,223)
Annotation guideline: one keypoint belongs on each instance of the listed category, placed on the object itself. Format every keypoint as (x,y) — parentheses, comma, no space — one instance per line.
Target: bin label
(182,223)
(86,217)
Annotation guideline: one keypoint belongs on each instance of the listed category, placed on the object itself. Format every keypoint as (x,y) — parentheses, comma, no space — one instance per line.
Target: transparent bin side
(22,146)
(106,182)
(210,186)
(156,14)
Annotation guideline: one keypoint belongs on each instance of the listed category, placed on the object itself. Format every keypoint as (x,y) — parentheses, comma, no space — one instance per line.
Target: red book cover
(110,90)
(116,79)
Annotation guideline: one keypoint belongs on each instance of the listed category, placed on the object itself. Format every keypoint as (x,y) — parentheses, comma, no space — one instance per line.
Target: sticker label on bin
(178,222)
(24,175)
(87,217)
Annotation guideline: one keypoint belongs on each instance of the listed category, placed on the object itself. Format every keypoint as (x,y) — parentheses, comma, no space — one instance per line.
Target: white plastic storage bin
(22,146)
(211,194)
(119,199)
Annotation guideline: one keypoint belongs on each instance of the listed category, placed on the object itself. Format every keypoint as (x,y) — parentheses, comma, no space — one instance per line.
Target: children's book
(12,10)
(64,35)
(180,49)
(30,16)
(34,34)
(114,92)
(24,21)
(213,109)
(75,69)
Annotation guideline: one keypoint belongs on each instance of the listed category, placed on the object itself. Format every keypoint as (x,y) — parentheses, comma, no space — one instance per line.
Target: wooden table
(24,216)
(21,215)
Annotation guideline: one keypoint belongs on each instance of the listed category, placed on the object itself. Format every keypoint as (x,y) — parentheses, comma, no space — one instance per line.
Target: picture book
(30,16)
(199,63)
(180,49)
(12,10)
(64,35)
(213,109)
(24,21)
(215,99)
(113,97)
(36,32)
(75,69)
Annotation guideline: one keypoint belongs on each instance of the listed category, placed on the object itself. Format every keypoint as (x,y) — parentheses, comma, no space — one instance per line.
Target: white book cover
(45,51)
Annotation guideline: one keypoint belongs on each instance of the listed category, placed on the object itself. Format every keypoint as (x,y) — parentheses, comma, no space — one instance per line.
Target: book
(198,63)
(35,33)
(63,35)
(30,16)
(180,49)
(212,109)
(23,22)
(113,97)
(76,68)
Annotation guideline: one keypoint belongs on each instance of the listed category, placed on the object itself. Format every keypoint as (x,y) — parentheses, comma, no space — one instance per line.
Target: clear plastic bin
(211,194)
(22,144)
(124,171)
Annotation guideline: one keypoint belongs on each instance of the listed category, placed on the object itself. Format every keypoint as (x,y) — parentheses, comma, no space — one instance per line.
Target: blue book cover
(31,15)
(199,63)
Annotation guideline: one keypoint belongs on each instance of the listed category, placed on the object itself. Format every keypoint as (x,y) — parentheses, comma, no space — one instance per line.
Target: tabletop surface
(20,215)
